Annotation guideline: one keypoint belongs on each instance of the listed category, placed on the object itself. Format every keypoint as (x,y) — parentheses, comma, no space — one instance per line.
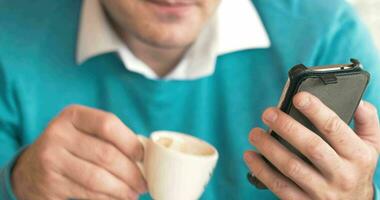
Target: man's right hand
(84,153)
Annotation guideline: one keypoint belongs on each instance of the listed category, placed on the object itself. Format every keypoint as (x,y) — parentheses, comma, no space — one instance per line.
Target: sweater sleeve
(376,194)
(9,139)
(6,191)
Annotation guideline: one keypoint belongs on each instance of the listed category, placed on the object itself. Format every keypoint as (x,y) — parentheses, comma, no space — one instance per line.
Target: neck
(161,60)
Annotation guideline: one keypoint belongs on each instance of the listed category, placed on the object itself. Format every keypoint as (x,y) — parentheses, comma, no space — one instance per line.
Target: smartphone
(340,87)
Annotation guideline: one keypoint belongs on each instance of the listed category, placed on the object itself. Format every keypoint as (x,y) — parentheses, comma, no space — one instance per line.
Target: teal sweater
(39,77)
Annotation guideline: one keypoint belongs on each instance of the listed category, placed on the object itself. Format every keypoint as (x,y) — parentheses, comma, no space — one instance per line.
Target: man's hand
(84,153)
(344,164)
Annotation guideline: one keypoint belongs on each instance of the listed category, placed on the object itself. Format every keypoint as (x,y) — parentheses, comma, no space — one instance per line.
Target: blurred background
(369,11)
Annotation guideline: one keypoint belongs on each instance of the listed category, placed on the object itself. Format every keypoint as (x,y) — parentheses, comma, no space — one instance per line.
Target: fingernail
(361,103)
(270,115)
(247,157)
(303,102)
(253,136)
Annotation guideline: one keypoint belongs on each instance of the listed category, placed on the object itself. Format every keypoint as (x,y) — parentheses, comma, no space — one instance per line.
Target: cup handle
(140,164)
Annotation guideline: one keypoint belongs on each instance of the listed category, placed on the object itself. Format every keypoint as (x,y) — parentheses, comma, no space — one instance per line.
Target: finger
(287,163)
(321,154)
(108,157)
(277,183)
(69,189)
(94,178)
(334,130)
(367,124)
(107,127)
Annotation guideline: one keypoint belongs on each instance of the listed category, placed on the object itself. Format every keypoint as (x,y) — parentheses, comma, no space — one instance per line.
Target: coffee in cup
(176,165)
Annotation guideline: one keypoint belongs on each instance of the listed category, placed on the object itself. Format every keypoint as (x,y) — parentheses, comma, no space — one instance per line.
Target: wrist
(17,177)
(15,183)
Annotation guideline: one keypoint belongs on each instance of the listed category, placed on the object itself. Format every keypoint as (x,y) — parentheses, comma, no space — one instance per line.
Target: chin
(169,38)
(168,44)
(172,43)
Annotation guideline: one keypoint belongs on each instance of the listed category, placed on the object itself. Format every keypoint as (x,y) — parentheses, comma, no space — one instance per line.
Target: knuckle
(54,135)
(108,122)
(120,190)
(70,110)
(53,128)
(340,173)
(48,137)
(93,178)
(278,185)
(288,126)
(46,158)
(346,186)
(366,158)
(347,182)
(259,171)
(332,125)
(293,168)
(315,107)
(315,149)
(107,154)
(51,131)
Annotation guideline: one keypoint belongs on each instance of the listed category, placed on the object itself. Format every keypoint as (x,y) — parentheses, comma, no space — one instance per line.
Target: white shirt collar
(236,26)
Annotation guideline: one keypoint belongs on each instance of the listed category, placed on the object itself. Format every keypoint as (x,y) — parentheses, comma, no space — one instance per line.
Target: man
(193,66)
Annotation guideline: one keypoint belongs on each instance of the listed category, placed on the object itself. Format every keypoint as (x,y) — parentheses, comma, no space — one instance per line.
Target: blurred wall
(369,10)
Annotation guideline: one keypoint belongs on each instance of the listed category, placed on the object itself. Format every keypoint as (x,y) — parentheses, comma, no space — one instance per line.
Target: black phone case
(340,90)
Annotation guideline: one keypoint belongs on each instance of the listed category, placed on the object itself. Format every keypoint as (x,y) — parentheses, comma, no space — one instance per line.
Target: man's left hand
(344,161)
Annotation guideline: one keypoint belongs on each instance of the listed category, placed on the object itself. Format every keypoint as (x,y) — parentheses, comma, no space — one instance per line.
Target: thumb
(367,124)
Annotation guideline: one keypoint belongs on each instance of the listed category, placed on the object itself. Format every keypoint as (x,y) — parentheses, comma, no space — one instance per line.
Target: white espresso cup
(176,166)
